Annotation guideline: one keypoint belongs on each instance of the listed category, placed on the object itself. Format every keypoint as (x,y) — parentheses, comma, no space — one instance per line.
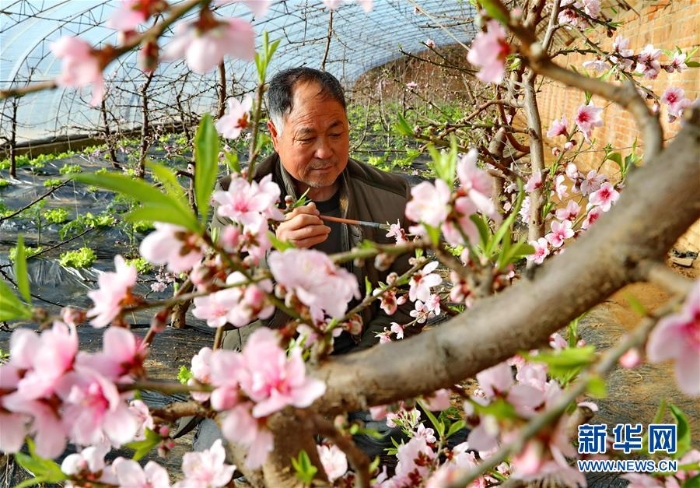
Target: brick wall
(666,24)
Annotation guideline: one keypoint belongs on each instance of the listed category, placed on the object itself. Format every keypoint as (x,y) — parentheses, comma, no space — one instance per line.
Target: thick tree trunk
(661,201)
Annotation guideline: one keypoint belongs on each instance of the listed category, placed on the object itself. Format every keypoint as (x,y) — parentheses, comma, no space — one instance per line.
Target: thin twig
(6,217)
(358,459)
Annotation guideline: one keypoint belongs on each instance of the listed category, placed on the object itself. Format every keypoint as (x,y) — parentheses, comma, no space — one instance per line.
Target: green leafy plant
(56,215)
(81,258)
(303,468)
(28,250)
(141,264)
(52,182)
(4,183)
(70,169)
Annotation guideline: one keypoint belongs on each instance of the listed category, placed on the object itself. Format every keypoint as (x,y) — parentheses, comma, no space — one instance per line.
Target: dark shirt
(344,342)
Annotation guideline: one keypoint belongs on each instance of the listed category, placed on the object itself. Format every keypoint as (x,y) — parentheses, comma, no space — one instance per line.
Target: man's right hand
(303,228)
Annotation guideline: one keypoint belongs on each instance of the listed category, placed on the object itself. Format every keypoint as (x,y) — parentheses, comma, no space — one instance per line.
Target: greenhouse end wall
(665,24)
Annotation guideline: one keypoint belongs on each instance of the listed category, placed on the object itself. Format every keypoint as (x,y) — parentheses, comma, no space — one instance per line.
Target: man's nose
(323,149)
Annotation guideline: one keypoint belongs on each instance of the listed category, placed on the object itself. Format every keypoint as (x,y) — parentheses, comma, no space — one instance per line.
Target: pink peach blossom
(622,53)
(258,7)
(133,13)
(201,372)
(398,233)
(121,358)
(215,308)
(422,281)
(140,411)
(677,337)
(174,246)
(206,469)
(570,212)
(271,379)
(677,63)
(334,461)
(674,97)
(438,400)
(592,182)
(588,118)
(54,355)
(429,203)
(81,66)
(648,62)
(489,51)
(593,215)
(233,122)
(312,277)
(114,292)
(94,410)
(604,197)
(12,425)
(130,474)
(478,184)
(249,204)
(541,250)
(558,128)
(560,232)
(240,426)
(204,48)
(89,464)
(534,182)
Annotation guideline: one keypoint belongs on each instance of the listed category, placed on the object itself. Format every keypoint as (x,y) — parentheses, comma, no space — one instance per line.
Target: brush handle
(363,223)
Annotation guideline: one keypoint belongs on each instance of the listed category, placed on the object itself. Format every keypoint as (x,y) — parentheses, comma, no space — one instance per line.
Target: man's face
(314,143)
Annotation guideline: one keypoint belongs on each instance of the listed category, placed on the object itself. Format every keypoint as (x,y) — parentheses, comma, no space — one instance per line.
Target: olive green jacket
(366,194)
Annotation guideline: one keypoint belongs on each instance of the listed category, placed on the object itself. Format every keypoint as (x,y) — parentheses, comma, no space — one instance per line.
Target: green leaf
(168,179)
(305,471)
(11,307)
(693,482)
(44,470)
(456,426)
(565,363)
(683,431)
(206,144)
(155,212)
(439,426)
(184,375)
(660,412)
(402,127)
(232,162)
(597,387)
(500,408)
(692,64)
(484,230)
(144,193)
(279,244)
(368,287)
(433,233)
(141,448)
(495,10)
(444,163)
(616,157)
(21,274)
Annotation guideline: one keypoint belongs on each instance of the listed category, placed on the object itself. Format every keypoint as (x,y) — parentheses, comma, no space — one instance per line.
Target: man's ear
(274,135)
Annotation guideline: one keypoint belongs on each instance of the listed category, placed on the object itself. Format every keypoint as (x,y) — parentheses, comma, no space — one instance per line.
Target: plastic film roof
(359,41)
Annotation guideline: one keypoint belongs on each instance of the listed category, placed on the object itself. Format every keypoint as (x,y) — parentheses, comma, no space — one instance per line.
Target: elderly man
(310,133)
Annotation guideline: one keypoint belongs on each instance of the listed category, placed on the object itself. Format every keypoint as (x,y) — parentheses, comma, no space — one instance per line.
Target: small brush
(374,225)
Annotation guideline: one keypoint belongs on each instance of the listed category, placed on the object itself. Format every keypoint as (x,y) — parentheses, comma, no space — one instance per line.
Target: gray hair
(280,93)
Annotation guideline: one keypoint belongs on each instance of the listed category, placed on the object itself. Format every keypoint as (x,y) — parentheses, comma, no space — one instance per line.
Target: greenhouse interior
(350,243)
